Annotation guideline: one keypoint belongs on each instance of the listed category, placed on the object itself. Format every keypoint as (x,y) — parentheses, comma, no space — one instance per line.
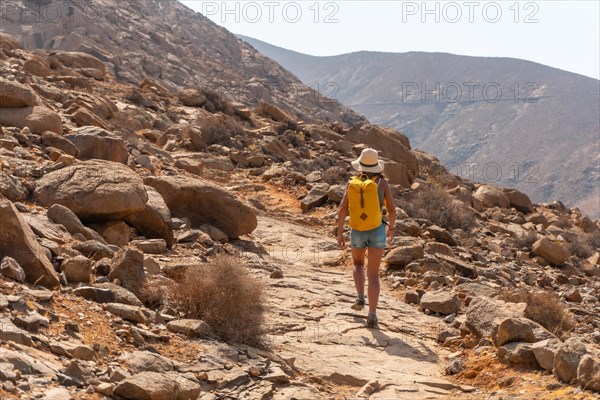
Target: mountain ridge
(258,44)
(195,51)
(413,92)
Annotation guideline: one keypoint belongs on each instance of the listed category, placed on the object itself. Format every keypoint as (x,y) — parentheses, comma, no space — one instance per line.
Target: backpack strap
(380,191)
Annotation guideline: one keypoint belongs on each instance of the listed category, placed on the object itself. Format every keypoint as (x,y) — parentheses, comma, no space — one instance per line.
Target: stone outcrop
(203,202)
(93,190)
(18,241)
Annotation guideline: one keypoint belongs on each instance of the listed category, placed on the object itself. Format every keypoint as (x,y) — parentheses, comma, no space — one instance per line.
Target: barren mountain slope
(497,120)
(168,42)
(163,243)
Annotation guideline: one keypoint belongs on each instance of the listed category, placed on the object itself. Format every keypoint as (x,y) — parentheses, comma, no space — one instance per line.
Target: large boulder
(555,253)
(390,144)
(83,117)
(484,312)
(517,353)
(519,329)
(519,200)
(274,112)
(588,373)
(545,351)
(120,294)
(440,302)
(128,268)
(44,228)
(157,386)
(93,190)
(490,196)
(316,197)
(566,361)
(10,268)
(52,139)
(190,327)
(464,268)
(96,143)
(17,240)
(37,66)
(114,232)
(192,97)
(16,95)
(96,294)
(320,132)
(277,149)
(64,216)
(94,249)
(205,203)
(8,42)
(431,265)
(397,174)
(90,65)
(11,188)
(77,269)
(143,361)
(38,119)
(127,312)
(154,222)
(442,235)
(403,255)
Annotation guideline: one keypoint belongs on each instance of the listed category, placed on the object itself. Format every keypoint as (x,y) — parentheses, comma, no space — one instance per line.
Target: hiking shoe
(358,305)
(372,321)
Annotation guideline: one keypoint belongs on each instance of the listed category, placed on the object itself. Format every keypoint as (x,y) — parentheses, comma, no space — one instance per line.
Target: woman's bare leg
(374,259)
(358,259)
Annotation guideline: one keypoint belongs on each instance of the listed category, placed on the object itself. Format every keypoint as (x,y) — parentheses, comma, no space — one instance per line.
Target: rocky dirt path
(312,325)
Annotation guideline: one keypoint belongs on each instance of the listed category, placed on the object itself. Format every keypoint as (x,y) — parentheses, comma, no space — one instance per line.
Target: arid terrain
(503,121)
(165,242)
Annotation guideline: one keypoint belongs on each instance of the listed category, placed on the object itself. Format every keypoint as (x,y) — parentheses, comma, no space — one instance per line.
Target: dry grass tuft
(436,205)
(584,245)
(545,308)
(225,296)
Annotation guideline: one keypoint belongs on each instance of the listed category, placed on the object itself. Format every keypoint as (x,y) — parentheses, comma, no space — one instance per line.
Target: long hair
(371,175)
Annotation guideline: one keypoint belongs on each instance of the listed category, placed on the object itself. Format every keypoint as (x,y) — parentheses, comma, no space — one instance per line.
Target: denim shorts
(374,238)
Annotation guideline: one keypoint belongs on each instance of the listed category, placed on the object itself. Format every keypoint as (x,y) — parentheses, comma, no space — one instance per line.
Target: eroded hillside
(169,43)
(502,121)
(113,195)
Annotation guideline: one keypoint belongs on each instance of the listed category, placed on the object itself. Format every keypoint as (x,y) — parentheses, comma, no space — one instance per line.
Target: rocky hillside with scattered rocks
(113,193)
(167,42)
(503,121)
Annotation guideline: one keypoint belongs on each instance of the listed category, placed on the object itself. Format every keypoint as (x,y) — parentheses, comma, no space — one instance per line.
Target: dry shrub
(225,296)
(584,245)
(545,308)
(436,205)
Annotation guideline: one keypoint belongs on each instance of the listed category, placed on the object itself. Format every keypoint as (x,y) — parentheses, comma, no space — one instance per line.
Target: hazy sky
(561,34)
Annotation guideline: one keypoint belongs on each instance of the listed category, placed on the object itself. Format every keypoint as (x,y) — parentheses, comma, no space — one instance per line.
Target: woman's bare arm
(342,214)
(389,203)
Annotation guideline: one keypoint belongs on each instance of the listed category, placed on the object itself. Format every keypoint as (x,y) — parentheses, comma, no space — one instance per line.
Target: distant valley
(504,121)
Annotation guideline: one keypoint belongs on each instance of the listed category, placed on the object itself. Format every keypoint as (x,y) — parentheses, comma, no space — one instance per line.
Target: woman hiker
(363,200)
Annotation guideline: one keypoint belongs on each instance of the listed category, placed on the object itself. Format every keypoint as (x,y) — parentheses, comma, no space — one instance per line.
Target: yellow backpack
(363,203)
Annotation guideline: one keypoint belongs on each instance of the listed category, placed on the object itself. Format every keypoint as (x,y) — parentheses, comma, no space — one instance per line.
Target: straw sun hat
(368,162)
